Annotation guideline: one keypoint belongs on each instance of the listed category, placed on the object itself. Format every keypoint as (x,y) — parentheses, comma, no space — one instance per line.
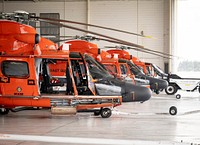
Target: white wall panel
(2,7)
(150,21)
(75,11)
(134,16)
(116,14)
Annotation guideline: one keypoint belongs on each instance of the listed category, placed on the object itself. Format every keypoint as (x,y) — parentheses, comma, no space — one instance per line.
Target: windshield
(148,70)
(96,69)
(134,69)
(123,69)
(111,68)
(157,69)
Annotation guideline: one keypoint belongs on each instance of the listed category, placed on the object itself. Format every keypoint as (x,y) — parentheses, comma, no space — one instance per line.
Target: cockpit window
(123,69)
(134,69)
(111,68)
(16,69)
(148,70)
(141,68)
(157,69)
(96,70)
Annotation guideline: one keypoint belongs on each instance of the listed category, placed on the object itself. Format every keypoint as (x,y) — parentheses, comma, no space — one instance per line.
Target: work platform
(131,123)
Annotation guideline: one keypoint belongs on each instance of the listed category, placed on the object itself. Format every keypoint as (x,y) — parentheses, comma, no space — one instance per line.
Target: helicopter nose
(142,94)
(157,84)
(136,93)
(162,84)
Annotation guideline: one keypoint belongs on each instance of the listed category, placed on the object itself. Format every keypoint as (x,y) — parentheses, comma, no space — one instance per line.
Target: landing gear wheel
(4,111)
(173,110)
(97,113)
(106,112)
(157,92)
(171,89)
(178,96)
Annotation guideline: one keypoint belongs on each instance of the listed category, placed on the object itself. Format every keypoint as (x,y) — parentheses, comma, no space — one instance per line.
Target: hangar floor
(131,123)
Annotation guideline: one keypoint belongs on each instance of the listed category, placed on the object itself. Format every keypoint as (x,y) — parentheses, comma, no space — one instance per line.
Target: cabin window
(15,69)
(111,68)
(123,69)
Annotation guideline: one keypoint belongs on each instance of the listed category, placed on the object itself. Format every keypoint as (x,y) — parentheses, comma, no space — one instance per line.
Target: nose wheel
(171,89)
(178,96)
(157,92)
(4,111)
(173,110)
(104,112)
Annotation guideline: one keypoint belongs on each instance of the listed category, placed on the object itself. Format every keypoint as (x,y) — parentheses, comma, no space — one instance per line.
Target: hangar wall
(149,16)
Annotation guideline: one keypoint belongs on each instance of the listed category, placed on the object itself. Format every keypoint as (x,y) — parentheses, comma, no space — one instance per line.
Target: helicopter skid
(64,104)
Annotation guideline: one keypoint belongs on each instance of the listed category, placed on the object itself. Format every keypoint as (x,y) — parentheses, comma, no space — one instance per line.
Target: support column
(170,34)
(88,13)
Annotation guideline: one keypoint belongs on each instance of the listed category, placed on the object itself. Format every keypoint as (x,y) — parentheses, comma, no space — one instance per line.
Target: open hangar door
(185,38)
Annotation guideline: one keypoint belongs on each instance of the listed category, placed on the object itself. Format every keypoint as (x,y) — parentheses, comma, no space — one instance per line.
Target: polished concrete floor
(132,123)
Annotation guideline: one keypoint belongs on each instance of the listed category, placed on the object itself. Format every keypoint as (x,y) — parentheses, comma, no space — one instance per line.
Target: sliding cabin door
(18,77)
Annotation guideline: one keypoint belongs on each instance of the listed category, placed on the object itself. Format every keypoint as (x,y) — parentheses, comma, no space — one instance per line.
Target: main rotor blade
(168,57)
(92,25)
(143,49)
(86,31)
(114,40)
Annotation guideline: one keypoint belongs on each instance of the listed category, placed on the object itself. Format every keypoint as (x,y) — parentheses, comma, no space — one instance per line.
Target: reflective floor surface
(132,123)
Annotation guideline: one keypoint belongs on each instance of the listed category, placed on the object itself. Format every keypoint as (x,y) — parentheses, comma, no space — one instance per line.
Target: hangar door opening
(186,38)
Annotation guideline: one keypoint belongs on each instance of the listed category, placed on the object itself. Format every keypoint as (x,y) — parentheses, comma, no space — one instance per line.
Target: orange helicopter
(25,79)
(149,69)
(120,69)
(156,84)
(102,76)
(115,66)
